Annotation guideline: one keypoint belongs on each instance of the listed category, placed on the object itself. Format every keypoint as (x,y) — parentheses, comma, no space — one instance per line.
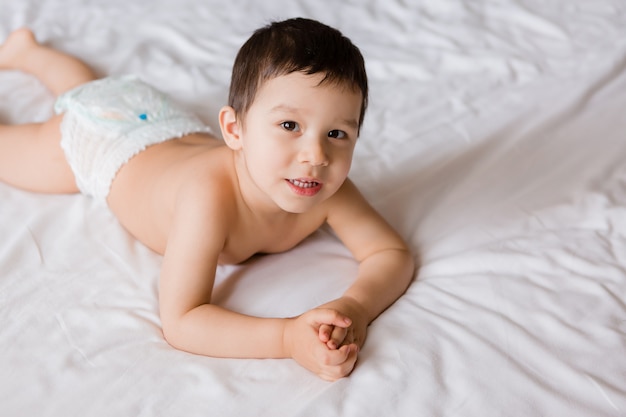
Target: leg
(31,158)
(30,155)
(56,70)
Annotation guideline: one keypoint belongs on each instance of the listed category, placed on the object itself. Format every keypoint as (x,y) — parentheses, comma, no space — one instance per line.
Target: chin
(296,208)
(298,205)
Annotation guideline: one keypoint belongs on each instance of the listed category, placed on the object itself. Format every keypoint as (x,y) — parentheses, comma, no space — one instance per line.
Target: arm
(197,235)
(190,322)
(386,266)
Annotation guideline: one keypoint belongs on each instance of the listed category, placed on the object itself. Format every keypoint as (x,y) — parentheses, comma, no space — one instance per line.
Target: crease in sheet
(71,342)
(602,392)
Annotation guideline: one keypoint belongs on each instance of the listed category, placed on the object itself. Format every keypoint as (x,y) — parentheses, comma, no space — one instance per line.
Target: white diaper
(108,121)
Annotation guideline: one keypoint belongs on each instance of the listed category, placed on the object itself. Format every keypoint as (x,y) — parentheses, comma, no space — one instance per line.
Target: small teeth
(304,184)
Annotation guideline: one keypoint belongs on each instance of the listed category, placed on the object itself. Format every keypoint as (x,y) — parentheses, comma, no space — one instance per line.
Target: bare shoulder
(200,220)
(347,201)
(206,194)
(359,226)
(168,182)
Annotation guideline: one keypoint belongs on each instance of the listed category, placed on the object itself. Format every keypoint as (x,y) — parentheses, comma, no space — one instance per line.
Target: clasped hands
(326,340)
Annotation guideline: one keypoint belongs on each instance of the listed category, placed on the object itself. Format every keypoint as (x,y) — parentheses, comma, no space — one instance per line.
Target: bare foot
(17,42)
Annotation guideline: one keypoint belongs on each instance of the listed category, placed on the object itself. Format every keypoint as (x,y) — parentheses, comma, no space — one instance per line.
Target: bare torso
(144,193)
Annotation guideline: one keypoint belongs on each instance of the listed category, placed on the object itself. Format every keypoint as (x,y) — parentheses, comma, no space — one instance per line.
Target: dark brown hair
(299,44)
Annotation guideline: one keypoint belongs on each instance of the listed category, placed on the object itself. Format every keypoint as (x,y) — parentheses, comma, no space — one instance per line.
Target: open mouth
(304,184)
(304,187)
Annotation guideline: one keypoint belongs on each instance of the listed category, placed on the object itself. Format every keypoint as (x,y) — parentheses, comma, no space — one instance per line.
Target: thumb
(320,316)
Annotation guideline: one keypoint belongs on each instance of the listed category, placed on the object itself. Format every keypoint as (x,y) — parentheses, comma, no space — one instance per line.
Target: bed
(495,143)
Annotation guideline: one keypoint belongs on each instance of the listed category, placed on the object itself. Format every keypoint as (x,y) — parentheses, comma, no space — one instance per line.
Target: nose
(313,151)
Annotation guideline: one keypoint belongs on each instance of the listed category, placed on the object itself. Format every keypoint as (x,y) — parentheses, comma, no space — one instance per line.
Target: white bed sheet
(495,143)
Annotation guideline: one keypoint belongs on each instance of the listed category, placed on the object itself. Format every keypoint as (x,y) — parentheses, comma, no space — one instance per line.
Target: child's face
(298,139)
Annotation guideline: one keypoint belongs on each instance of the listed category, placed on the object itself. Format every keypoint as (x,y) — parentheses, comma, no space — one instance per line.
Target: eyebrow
(283,108)
(289,109)
(351,122)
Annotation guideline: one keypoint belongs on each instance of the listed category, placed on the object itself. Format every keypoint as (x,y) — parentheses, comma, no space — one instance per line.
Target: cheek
(269,152)
(344,162)
(264,157)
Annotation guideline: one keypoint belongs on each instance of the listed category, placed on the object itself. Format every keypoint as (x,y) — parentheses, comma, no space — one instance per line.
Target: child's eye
(337,134)
(290,126)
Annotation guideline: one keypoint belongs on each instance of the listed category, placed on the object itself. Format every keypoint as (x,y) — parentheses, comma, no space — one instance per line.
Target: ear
(231,130)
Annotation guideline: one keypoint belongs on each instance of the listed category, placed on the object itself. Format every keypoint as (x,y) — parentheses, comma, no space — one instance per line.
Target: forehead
(299,90)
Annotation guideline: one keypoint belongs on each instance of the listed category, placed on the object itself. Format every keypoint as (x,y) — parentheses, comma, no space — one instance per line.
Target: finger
(334,372)
(337,337)
(328,316)
(335,357)
(348,365)
(325,332)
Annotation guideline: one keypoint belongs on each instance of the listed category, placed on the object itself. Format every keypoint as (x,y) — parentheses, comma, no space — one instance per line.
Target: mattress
(494,143)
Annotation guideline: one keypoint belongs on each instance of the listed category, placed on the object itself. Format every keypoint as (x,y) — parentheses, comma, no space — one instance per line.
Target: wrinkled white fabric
(494,142)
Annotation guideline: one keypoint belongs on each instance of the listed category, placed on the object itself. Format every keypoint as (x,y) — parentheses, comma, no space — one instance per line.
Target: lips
(304,187)
(304,183)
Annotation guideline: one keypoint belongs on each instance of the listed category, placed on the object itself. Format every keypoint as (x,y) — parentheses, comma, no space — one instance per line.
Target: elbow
(188,331)
(172,333)
(410,266)
(169,335)
(410,261)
